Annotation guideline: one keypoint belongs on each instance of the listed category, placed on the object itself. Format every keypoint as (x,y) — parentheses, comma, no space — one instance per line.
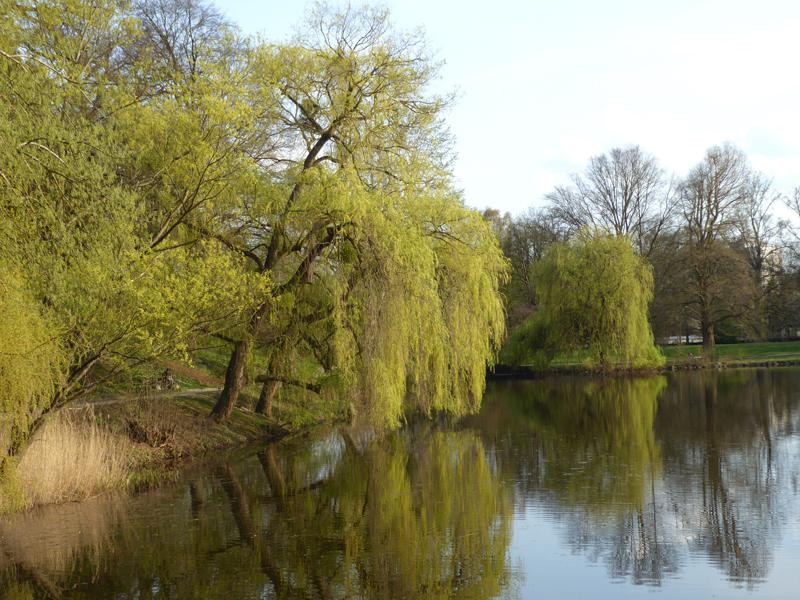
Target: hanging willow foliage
(415,312)
(293,200)
(30,360)
(594,292)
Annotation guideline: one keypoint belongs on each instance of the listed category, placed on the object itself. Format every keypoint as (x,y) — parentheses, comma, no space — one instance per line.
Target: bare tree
(791,237)
(794,200)
(624,192)
(667,312)
(718,283)
(180,34)
(759,234)
(758,229)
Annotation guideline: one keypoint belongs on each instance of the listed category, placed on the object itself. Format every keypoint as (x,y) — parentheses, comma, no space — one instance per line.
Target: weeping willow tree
(385,286)
(399,311)
(423,317)
(594,293)
(163,185)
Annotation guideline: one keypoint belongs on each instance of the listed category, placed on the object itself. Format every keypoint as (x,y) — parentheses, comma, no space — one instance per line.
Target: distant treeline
(167,183)
(725,265)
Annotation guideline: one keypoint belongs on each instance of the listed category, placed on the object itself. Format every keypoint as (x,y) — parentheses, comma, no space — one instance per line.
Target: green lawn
(752,351)
(744,352)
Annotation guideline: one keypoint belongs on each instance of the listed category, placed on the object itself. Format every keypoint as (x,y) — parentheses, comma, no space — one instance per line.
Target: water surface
(683,486)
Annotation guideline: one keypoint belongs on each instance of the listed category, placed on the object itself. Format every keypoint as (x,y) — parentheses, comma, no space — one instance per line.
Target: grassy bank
(682,357)
(123,443)
(756,352)
(737,353)
(131,434)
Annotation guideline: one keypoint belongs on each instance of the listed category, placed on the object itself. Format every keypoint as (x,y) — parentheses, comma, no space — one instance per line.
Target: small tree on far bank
(593,293)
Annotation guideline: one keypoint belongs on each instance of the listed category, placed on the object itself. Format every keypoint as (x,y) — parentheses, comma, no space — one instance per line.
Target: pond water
(681,486)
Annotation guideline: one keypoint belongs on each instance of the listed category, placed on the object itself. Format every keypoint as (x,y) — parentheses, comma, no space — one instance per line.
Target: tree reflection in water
(418,514)
(640,470)
(731,477)
(585,452)
(644,476)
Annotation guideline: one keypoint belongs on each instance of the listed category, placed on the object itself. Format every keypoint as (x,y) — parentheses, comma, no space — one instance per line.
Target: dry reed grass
(71,457)
(79,453)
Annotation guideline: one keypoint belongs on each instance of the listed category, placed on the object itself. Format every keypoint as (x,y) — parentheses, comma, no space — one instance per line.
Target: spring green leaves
(594,292)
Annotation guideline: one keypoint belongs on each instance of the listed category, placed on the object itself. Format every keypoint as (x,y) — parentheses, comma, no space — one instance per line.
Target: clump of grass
(72,457)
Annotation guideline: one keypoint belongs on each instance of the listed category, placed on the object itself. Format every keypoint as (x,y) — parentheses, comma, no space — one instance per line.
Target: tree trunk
(236,376)
(708,338)
(235,380)
(268,390)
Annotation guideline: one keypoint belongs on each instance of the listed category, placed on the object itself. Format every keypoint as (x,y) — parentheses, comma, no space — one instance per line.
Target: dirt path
(198,375)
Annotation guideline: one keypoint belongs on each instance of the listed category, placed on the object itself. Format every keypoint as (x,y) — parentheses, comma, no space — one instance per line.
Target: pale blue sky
(545,85)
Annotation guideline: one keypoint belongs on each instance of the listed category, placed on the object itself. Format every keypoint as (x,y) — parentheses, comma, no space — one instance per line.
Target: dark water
(682,487)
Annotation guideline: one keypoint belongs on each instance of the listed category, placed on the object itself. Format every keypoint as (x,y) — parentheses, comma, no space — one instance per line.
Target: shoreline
(510,372)
(192,438)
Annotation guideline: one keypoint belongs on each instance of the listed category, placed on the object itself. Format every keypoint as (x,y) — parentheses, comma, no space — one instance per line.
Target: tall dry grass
(71,457)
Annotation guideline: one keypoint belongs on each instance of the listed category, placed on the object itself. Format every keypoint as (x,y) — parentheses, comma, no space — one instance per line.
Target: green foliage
(293,200)
(594,292)
(411,312)
(76,211)
(528,344)
(12,498)
(30,360)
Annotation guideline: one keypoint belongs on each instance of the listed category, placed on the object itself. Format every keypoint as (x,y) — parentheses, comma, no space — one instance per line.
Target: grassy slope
(292,408)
